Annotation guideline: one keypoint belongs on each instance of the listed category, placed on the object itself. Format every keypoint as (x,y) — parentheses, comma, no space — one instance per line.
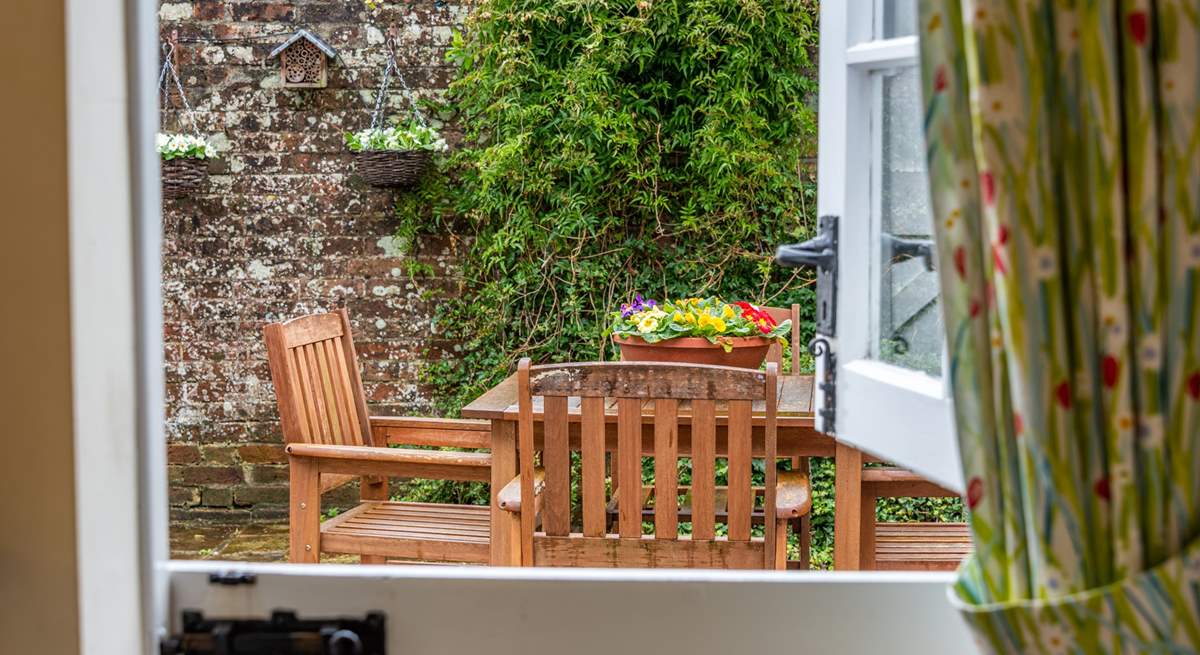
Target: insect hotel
(304,61)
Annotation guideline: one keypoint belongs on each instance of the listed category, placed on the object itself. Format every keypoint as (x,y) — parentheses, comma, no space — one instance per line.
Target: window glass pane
(895,18)
(909,321)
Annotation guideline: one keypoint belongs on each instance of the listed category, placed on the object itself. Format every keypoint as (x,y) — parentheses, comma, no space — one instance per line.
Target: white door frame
(116,223)
(870,394)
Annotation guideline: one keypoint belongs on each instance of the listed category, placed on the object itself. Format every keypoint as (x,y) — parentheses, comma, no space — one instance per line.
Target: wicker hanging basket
(183,176)
(391,168)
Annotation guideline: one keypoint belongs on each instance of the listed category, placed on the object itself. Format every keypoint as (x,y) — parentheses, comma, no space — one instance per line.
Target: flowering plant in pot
(395,155)
(696,331)
(184,162)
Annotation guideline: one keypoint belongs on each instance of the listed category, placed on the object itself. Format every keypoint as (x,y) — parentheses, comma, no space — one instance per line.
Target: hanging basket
(183,176)
(391,168)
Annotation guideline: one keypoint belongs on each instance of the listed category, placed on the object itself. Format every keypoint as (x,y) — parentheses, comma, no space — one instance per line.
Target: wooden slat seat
(426,532)
(921,546)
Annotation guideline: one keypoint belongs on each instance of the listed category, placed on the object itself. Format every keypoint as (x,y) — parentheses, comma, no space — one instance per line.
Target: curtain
(1063,145)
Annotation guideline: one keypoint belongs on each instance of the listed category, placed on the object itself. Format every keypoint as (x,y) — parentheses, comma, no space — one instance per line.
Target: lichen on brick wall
(282,229)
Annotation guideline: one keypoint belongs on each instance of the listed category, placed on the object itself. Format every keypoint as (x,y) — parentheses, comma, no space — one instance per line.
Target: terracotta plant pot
(748,352)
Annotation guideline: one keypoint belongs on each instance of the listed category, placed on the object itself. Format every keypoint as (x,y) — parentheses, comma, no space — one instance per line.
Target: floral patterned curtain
(1064,158)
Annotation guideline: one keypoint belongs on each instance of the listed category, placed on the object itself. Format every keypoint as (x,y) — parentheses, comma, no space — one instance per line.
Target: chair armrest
(509,498)
(400,462)
(895,482)
(793,496)
(425,431)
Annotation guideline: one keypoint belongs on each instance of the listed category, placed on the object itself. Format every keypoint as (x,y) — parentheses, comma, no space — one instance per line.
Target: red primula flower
(1102,488)
(1110,369)
(987,186)
(1139,27)
(758,317)
(974,492)
(1193,385)
(1062,394)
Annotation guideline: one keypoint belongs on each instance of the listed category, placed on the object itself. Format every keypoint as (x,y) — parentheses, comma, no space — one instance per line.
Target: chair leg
(781,531)
(510,525)
(803,526)
(373,488)
(304,521)
(866,553)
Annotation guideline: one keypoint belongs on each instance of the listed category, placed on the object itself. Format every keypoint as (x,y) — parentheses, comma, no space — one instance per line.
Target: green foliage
(613,147)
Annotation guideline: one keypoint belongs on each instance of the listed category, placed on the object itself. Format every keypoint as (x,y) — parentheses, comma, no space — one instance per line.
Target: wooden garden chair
(800,526)
(331,440)
(683,399)
(897,546)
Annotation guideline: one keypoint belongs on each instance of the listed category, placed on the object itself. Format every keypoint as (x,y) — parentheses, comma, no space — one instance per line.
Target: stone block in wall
(255,495)
(217,497)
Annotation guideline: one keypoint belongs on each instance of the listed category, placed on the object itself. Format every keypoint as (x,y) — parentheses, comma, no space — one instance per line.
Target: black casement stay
(282,634)
(900,249)
(821,253)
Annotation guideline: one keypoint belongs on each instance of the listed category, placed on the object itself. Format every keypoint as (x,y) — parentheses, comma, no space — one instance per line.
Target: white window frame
(870,394)
(121,464)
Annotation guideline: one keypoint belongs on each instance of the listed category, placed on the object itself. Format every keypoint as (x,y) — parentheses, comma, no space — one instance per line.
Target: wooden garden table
(795,437)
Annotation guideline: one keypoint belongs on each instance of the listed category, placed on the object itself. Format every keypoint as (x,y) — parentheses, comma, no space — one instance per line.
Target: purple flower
(639,304)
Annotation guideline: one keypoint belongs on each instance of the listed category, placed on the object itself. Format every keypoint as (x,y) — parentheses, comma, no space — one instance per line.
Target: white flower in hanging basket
(409,136)
(183,146)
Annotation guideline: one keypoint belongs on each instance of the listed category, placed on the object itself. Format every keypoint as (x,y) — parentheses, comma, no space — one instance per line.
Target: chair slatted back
(315,372)
(775,354)
(677,396)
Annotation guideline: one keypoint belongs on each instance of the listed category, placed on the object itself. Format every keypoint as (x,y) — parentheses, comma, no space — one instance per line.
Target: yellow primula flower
(647,324)
(718,324)
(728,313)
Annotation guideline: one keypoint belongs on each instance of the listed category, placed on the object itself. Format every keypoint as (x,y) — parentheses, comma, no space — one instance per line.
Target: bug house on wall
(304,61)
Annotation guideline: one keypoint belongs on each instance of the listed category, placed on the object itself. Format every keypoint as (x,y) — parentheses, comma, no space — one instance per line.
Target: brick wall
(281,230)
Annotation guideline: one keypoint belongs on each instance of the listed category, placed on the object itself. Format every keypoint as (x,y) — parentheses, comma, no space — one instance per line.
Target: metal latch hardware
(282,634)
(821,253)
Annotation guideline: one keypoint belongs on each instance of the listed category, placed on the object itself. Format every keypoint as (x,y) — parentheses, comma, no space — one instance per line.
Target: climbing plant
(614,146)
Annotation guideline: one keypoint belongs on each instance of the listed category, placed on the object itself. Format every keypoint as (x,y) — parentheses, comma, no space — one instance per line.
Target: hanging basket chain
(389,70)
(168,68)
